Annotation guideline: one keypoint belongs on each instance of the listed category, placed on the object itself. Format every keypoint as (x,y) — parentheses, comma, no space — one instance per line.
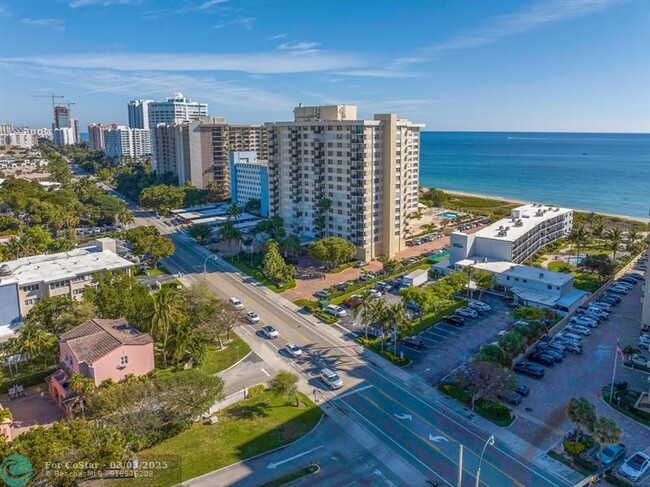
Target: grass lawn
(217,360)
(583,280)
(245,429)
(497,412)
(484,206)
(256,274)
(158,271)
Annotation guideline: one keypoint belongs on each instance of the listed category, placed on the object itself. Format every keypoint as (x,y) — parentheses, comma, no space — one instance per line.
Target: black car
(522,389)
(511,397)
(613,296)
(554,354)
(412,342)
(454,320)
(531,370)
(541,358)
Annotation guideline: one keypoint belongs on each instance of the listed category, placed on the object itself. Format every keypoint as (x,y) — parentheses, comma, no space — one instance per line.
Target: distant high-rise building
(74,124)
(61,117)
(122,141)
(175,109)
(249,138)
(64,136)
(333,175)
(164,147)
(96,136)
(139,114)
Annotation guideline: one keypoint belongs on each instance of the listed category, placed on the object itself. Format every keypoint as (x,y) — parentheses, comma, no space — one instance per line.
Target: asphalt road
(422,432)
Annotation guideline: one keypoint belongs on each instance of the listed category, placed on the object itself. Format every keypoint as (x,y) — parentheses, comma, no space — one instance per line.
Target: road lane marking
(437,439)
(276,464)
(345,394)
(403,416)
(265,372)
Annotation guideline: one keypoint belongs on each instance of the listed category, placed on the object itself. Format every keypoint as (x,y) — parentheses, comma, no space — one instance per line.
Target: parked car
(628,280)
(335,310)
(454,320)
(322,294)
(601,313)
(556,355)
(467,313)
(412,342)
(352,300)
(236,303)
(570,346)
(531,370)
(331,379)
(375,293)
(624,284)
(618,289)
(270,332)
(522,389)
(584,321)
(611,455)
(479,306)
(602,305)
(644,342)
(293,350)
(341,286)
(578,329)
(638,360)
(615,297)
(541,358)
(361,264)
(636,277)
(252,317)
(511,397)
(635,466)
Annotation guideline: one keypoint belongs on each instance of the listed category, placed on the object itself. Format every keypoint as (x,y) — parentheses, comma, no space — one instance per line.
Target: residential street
(419,430)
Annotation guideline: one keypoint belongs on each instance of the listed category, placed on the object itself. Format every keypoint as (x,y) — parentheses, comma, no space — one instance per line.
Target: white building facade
(249,180)
(122,141)
(139,114)
(21,139)
(64,136)
(331,174)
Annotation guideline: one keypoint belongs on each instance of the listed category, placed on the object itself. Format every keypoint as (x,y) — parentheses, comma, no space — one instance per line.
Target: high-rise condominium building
(122,141)
(64,136)
(139,114)
(96,136)
(74,124)
(175,109)
(164,148)
(249,138)
(61,117)
(331,174)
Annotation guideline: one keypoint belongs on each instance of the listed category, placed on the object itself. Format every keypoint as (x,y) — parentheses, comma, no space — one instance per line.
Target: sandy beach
(520,202)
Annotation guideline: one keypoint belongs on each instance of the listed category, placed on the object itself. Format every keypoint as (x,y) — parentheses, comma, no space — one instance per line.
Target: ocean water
(608,173)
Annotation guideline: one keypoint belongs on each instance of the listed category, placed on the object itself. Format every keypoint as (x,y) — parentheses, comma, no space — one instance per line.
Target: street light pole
(205,263)
(490,442)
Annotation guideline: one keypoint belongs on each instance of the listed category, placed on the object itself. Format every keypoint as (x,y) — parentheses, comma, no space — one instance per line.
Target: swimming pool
(448,214)
(575,260)
(438,257)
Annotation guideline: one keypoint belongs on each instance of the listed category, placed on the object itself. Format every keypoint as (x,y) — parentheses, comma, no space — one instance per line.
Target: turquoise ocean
(608,173)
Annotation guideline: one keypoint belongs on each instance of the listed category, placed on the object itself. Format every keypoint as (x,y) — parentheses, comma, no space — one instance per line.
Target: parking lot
(541,418)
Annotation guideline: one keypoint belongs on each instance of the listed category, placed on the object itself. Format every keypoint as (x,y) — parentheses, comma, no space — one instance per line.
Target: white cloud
(4,11)
(101,3)
(210,3)
(245,22)
(298,46)
(276,37)
(542,13)
(56,24)
(259,63)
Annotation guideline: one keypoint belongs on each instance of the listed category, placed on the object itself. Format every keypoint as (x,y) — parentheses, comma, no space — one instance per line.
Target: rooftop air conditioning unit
(541,275)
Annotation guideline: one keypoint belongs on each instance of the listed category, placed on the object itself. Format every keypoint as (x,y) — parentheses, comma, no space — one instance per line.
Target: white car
(638,360)
(467,312)
(252,317)
(270,332)
(236,303)
(618,290)
(374,293)
(578,329)
(335,310)
(294,350)
(584,321)
(479,306)
(644,342)
(635,466)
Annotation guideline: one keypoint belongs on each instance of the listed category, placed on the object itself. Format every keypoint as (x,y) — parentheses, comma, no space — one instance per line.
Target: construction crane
(52,96)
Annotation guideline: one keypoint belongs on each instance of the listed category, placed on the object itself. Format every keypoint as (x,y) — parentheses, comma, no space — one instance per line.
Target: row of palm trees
(371,311)
(612,238)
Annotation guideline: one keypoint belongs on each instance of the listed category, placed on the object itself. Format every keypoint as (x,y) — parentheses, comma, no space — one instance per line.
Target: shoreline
(522,202)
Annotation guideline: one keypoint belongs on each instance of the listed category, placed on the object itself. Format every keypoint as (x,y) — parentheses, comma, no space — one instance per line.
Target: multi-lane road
(411,422)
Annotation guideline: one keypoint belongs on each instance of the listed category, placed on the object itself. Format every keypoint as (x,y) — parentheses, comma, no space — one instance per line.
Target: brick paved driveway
(541,416)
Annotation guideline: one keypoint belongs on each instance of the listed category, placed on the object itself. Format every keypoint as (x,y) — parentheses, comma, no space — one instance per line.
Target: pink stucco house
(100,349)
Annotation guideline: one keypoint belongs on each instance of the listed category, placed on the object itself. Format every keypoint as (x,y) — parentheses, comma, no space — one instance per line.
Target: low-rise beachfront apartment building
(515,238)
(26,280)
(249,180)
(334,175)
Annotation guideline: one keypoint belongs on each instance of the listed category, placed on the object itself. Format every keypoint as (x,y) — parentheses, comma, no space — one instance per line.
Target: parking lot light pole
(205,264)
(490,442)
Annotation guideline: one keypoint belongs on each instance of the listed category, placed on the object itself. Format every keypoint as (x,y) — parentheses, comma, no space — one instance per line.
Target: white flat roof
(518,270)
(65,265)
(528,214)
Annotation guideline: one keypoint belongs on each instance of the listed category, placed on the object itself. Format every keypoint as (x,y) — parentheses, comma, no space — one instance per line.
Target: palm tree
(12,249)
(364,310)
(229,232)
(35,341)
(291,245)
(581,413)
(614,237)
(380,311)
(234,212)
(580,235)
(124,217)
(396,315)
(5,415)
(598,231)
(166,311)
(606,432)
(632,239)
(84,387)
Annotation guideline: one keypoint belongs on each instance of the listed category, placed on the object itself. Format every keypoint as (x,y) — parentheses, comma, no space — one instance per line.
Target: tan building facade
(331,174)
(645,298)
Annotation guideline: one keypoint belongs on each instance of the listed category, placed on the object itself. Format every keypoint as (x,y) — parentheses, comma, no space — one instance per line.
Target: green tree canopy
(162,198)
(285,384)
(332,250)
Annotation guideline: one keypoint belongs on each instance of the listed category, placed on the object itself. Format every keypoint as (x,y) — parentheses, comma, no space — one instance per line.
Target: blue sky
(534,65)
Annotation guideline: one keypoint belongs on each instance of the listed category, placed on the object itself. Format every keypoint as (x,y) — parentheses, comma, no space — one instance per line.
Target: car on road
(511,397)
(331,379)
(270,332)
(479,306)
(293,350)
(635,466)
(252,317)
(236,303)
(412,342)
(531,370)
(611,455)
(454,320)
(467,313)
(322,294)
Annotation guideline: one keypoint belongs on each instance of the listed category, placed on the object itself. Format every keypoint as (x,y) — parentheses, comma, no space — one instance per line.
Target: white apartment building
(139,114)
(74,124)
(96,136)
(331,174)
(645,297)
(249,180)
(64,136)
(515,238)
(21,139)
(26,280)
(122,141)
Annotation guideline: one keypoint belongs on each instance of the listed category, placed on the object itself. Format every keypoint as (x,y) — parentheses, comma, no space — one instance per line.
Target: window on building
(549,286)
(31,287)
(124,361)
(30,301)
